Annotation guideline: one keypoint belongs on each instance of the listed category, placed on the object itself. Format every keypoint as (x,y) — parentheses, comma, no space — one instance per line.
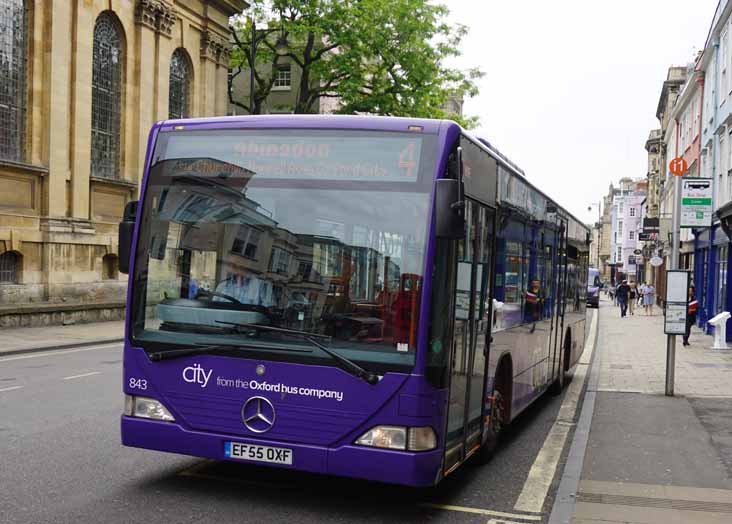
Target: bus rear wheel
(558,385)
(494,428)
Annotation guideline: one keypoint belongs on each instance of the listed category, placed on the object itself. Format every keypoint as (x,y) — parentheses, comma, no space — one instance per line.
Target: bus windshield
(319,231)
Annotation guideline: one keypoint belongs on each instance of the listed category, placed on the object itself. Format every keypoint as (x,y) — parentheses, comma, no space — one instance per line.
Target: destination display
(380,158)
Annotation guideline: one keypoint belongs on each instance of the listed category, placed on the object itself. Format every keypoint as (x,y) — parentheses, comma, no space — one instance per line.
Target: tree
(387,57)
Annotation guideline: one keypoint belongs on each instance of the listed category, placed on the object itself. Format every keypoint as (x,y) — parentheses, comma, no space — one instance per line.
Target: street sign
(656,261)
(696,202)
(645,237)
(650,225)
(678,166)
(677,285)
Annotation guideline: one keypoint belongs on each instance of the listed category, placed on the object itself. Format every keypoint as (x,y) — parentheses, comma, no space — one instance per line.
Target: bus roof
(376,123)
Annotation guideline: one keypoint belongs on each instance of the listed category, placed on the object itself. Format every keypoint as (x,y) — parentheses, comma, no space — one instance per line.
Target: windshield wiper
(201,349)
(346,364)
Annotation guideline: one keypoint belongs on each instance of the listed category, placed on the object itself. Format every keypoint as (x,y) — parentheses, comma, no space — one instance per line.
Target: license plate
(238,450)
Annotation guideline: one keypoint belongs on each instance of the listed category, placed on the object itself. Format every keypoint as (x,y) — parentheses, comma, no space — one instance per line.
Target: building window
(631,235)
(110,267)
(180,85)
(619,256)
(283,78)
(631,211)
(106,97)
(723,67)
(246,242)
(13,58)
(620,228)
(10,267)
(620,208)
(280,261)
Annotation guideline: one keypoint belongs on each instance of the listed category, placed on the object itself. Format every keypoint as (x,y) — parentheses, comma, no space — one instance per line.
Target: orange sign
(678,166)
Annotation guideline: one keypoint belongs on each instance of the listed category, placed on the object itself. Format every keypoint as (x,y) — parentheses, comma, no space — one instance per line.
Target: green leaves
(386,57)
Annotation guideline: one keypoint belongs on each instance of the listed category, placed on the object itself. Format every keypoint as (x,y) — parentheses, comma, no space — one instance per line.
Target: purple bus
(361,296)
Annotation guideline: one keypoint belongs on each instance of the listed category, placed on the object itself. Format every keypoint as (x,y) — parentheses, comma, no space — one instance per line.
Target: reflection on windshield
(346,263)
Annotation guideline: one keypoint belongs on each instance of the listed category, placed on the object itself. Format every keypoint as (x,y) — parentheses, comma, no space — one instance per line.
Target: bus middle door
(470,346)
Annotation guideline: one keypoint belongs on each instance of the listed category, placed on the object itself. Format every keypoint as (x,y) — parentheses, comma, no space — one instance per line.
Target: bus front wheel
(493,428)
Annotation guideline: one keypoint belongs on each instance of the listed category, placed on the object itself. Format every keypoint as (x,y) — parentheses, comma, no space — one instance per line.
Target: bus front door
(470,345)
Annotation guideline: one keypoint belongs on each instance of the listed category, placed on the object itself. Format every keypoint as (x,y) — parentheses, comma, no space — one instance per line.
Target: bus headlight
(143,407)
(399,437)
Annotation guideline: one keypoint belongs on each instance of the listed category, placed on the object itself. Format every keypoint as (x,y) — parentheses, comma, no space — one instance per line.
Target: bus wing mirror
(126,230)
(449,221)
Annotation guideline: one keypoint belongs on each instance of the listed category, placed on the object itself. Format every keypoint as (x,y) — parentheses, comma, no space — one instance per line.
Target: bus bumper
(394,467)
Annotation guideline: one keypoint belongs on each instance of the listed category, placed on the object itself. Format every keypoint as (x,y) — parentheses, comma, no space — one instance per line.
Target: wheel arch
(567,349)
(503,382)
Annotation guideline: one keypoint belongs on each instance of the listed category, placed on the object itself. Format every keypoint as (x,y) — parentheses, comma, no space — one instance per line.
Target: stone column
(146,78)
(81,126)
(211,50)
(57,48)
(222,80)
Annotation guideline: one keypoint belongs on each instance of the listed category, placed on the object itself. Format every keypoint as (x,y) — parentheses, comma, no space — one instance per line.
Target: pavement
(25,340)
(639,456)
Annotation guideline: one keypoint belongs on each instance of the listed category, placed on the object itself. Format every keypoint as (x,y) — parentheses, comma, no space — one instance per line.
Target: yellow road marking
(542,471)
(480,511)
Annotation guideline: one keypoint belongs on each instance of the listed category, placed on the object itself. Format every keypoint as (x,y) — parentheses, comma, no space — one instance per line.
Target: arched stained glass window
(13,57)
(106,97)
(180,85)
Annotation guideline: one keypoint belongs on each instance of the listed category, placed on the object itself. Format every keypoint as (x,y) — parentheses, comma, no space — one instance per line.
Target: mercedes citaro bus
(361,296)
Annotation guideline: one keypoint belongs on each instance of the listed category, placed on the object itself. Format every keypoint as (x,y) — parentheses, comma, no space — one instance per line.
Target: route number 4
(406,160)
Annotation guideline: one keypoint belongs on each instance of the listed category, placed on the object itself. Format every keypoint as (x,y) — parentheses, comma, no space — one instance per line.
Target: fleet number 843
(138,383)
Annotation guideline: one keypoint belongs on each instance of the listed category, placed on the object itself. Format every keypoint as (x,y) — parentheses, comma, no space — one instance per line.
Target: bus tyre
(495,425)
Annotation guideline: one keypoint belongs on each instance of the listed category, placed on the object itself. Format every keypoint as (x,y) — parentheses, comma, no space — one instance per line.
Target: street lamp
(599,224)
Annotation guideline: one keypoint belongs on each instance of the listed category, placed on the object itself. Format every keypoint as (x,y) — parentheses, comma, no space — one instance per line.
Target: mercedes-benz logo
(258,414)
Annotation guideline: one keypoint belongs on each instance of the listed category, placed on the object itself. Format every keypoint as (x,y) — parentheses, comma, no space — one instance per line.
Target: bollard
(720,330)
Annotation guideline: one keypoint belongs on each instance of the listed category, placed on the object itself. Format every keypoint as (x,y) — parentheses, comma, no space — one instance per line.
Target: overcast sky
(571,86)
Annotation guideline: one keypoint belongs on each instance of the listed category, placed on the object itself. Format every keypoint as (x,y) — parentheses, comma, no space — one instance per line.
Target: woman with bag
(648,299)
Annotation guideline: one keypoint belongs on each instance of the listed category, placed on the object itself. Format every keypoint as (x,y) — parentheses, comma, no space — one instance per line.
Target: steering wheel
(231,299)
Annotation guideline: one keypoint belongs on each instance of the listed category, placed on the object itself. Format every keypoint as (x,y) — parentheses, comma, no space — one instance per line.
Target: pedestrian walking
(691,308)
(648,297)
(623,293)
(632,297)
(534,303)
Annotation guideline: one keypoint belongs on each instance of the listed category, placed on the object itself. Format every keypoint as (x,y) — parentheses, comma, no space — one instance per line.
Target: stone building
(81,83)
(654,145)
